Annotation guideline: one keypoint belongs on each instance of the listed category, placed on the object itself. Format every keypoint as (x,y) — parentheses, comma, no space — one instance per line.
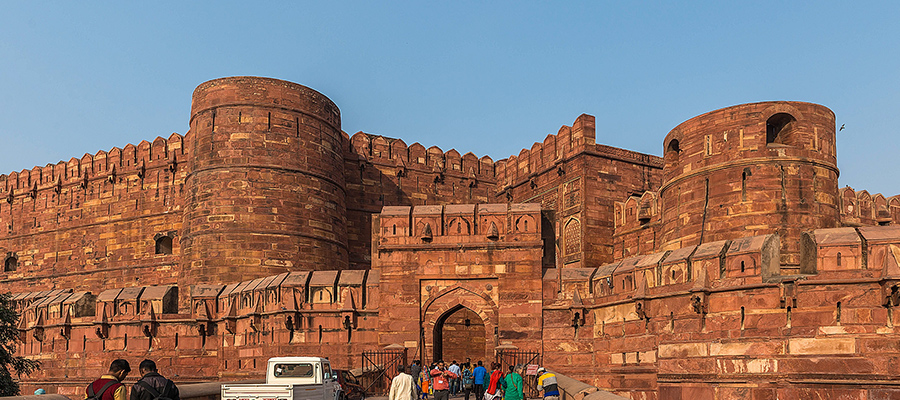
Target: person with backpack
(152,385)
(467,380)
(109,386)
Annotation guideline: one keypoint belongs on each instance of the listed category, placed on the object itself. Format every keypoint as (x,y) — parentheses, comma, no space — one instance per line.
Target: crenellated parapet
(347,291)
(231,325)
(555,149)
(861,208)
(394,153)
(382,171)
(866,252)
(705,308)
(116,165)
(458,224)
(714,265)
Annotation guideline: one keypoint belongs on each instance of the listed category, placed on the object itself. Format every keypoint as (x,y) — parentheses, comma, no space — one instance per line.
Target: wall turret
(267,183)
(751,169)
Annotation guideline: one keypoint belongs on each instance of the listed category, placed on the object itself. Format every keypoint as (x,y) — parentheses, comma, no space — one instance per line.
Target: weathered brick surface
(266,230)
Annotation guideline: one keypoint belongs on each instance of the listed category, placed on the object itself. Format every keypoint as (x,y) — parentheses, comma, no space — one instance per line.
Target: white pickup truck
(290,378)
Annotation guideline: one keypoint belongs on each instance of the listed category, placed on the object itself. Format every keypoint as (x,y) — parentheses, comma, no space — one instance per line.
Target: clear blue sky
(486,77)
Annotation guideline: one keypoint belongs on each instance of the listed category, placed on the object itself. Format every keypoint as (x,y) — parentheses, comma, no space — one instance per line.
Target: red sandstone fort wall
(577,182)
(92,223)
(638,220)
(382,171)
(434,260)
(228,333)
(709,322)
(274,215)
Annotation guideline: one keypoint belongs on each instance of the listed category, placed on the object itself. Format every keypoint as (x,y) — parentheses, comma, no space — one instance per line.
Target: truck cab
(290,378)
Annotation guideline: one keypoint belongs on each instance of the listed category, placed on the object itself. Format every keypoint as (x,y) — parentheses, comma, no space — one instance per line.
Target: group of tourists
(441,381)
(151,386)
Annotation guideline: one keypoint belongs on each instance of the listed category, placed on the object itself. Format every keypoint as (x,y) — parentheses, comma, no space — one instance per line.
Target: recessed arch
(448,301)
(164,245)
(672,153)
(11,263)
(459,333)
(780,129)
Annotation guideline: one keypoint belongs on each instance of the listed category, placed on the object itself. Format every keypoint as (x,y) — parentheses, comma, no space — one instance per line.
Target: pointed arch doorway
(459,333)
(444,317)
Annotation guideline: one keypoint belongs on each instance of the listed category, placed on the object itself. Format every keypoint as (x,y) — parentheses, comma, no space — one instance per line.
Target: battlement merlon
(861,208)
(833,254)
(395,153)
(568,142)
(129,160)
(347,290)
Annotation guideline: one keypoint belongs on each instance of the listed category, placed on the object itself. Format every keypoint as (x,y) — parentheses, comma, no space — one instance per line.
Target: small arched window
(164,245)
(779,128)
(11,263)
(673,147)
(673,150)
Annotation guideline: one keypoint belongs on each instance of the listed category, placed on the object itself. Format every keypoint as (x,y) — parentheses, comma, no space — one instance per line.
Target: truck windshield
(293,370)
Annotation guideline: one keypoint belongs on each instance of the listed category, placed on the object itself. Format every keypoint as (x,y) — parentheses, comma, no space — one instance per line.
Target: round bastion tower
(266,191)
(751,169)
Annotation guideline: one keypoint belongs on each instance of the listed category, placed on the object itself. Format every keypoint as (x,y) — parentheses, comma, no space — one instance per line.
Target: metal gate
(379,367)
(509,357)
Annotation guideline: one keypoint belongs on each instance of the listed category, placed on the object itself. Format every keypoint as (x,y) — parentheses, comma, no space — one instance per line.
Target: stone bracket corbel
(102,330)
(230,324)
(890,292)
(640,308)
(255,322)
(699,303)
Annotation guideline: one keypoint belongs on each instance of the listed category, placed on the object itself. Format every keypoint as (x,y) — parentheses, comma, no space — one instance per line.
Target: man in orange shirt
(441,377)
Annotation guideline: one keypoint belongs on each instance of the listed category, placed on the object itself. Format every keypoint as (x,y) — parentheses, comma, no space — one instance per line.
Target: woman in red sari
(494,388)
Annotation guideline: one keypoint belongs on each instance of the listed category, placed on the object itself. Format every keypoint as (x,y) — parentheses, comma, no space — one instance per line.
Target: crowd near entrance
(459,327)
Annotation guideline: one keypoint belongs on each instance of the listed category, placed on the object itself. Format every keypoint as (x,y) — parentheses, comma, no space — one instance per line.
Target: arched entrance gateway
(459,334)
(459,323)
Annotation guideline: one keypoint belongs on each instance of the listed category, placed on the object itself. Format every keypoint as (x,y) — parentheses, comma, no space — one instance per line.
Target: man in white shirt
(403,387)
